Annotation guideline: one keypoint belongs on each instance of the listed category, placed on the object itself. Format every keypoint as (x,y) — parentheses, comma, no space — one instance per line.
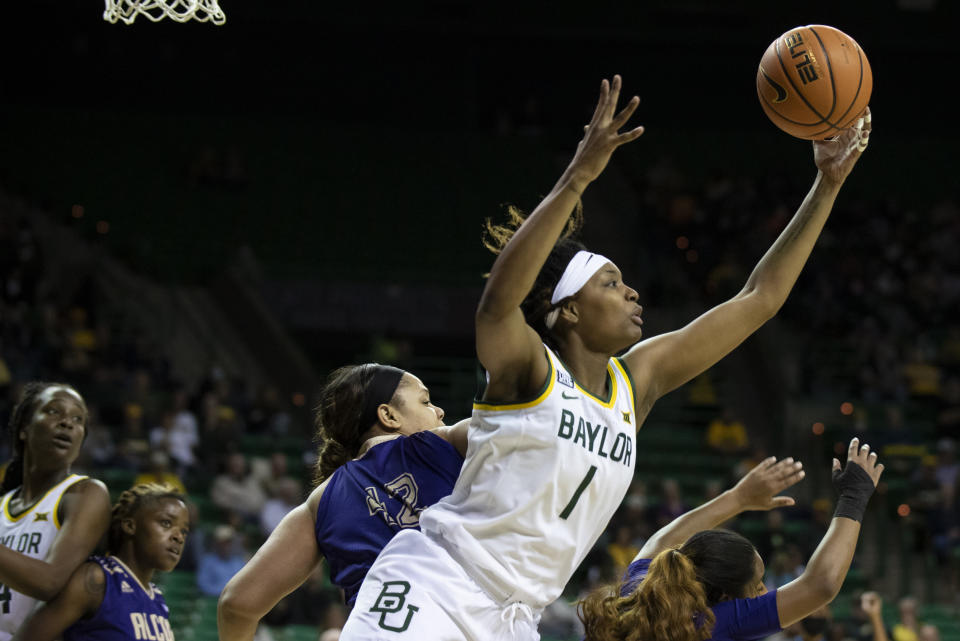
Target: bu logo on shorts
(390,601)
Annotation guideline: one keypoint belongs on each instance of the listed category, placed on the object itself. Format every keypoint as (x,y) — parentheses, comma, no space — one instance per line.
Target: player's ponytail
(537,303)
(346,412)
(669,605)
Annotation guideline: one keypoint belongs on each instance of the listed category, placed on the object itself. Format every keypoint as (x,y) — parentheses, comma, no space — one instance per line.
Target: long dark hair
(673,601)
(337,419)
(537,303)
(20,417)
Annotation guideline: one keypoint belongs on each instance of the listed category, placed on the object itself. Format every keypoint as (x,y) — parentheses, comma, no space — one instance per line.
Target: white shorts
(415,590)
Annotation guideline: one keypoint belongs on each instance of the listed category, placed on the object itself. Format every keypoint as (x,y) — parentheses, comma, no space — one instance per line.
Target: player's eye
(165,523)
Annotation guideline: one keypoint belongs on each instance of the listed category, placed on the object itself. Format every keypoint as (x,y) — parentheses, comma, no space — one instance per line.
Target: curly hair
(129,503)
(673,601)
(669,605)
(537,303)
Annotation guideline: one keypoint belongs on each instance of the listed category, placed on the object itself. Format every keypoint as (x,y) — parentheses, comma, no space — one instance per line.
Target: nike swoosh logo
(564,394)
(781,92)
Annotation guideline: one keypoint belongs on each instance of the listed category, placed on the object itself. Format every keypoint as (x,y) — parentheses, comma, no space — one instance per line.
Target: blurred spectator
(99,448)
(158,471)
(726,434)
(271,473)
(671,504)
(622,549)
(178,433)
(134,446)
(236,490)
(268,414)
(871,606)
(781,569)
(908,627)
(859,625)
(773,538)
(218,564)
(929,632)
(948,468)
(286,497)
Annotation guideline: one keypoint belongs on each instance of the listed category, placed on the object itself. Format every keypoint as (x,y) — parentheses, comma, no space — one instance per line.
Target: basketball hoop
(156,10)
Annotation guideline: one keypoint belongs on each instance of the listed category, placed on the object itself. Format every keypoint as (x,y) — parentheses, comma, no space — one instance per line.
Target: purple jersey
(736,619)
(370,499)
(128,610)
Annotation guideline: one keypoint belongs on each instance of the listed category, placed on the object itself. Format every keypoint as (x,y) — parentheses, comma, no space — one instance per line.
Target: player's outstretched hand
(862,456)
(602,136)
(758,489)
(836,157)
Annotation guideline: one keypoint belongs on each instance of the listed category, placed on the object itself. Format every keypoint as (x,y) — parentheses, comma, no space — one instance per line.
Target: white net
(155,10)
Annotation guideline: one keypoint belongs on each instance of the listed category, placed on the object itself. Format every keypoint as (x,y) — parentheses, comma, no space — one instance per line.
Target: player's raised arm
(757,490)
(508,348)
(824,574)
(670,360)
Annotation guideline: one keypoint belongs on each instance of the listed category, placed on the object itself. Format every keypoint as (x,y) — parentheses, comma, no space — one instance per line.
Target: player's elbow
(47,587)
(822,587)
(236,603)
(763,301)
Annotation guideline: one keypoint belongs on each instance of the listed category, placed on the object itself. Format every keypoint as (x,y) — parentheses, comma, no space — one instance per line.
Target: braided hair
(129,503)
(20,417)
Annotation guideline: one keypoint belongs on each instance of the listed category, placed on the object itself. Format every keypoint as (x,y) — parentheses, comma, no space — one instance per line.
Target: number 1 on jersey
(576,495)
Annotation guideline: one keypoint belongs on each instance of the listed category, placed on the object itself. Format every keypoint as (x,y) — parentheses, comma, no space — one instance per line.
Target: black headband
(382,386)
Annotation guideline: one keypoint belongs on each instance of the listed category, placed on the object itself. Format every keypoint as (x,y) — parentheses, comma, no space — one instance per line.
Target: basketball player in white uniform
(551,443)
(50,519)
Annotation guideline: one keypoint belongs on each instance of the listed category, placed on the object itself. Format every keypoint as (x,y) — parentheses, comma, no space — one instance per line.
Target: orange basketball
(814,81)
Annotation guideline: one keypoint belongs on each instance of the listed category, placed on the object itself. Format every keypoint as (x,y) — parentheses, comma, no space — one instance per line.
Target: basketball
(814,81)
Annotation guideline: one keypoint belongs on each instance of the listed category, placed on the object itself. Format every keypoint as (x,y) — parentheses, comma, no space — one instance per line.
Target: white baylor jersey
(540,483)
(31,533)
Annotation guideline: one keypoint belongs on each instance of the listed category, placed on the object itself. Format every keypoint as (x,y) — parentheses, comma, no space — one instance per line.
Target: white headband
(580,269)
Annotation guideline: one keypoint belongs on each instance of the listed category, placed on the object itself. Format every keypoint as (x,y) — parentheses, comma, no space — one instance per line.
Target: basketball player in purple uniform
(692,583)
(385,456)
(50,519)
(110,598)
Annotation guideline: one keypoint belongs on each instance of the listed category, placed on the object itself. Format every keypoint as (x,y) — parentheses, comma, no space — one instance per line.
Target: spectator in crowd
(948,469)
(236,490)
(773,539)
(272,473)
(219,563)
(287,495)
(908,628)
(177,436)
(623,548)
(134,446)
(727,435)
(671,503)
(158,471)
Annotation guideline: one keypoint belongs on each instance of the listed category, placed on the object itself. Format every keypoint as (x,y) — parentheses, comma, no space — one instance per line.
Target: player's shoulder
(91,576)
(87,486)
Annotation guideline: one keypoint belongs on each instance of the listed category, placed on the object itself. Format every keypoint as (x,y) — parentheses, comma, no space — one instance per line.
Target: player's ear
(389,419)
(129,526)
(569,312)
